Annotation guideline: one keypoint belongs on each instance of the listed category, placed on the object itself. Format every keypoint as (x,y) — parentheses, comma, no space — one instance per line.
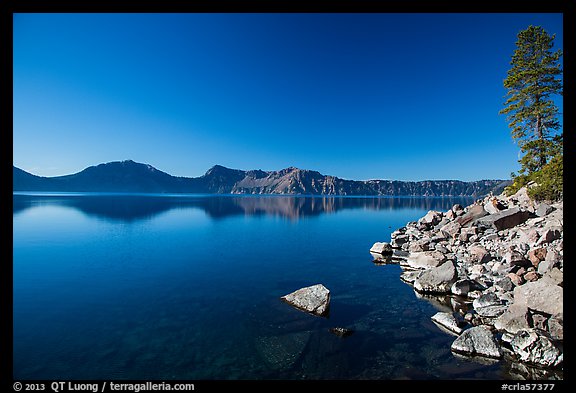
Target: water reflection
(132,207)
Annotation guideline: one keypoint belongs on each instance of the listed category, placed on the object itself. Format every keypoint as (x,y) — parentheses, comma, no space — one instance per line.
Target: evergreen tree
(532,82)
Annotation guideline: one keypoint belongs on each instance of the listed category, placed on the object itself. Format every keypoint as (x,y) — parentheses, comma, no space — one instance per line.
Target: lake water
(187,287)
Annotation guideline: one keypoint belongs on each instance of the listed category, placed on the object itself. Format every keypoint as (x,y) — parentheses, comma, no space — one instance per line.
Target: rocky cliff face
(299,181)
(499,264)
(129,176)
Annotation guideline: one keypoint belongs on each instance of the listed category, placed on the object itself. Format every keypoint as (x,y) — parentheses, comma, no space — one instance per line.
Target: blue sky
(358,96)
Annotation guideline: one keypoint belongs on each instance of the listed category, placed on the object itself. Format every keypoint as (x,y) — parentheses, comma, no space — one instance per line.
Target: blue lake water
(187,287)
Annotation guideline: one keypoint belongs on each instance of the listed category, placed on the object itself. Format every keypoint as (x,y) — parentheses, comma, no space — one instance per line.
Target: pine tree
(532,82)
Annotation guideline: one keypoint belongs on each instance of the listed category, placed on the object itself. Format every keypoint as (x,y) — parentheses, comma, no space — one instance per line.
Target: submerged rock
(281,352)
(341,332)
(314,299)
(477,341)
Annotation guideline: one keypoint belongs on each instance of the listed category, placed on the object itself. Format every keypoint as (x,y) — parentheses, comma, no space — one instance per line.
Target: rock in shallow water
(438,279)
(533,346)
(381,248)
(477,341)
(448,321)
(314,299)
(281,352)
(341,332)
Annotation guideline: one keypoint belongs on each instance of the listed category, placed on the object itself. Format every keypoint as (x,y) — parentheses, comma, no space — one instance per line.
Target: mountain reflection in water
(133,207)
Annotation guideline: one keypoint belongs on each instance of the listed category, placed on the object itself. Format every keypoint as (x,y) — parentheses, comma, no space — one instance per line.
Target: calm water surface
(188,287)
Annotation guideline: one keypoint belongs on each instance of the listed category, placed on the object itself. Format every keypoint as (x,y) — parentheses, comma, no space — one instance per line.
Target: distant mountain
(130,176)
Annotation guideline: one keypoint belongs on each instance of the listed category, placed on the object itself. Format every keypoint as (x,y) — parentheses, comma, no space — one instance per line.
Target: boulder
(535,347)
(451,229)
(537,255)
(473,212)
(489,305)
(515,278)
(477,341)
(425,259)
(549,235)
(504,284)
(528,235)
(542,295)
(479,254)
(410,276)
(314,299)
(552,258)
(448,321)
(522,199)
(493,206)
(514,319)
(556,327)
(544,209)
(381,248)
(457,209)
(531,276)
(554,276)
(399,240)
(466,233)
(432,218)
(419,245)
(503,220)
(516,258)
(462,287)
(437,279)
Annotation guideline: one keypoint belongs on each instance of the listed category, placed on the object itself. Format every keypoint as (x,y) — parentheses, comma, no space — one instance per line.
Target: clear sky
(358,96)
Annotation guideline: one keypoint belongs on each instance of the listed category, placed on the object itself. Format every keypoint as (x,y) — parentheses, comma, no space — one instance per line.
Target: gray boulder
(437,279)
(542,295)
(431,218)
(477,341)
(451,229)
(533,346)
(514,319)
(467,233)
(463,287)
(549,235)
(447,321)
(410,276)
(381,248)
(556,327)
(473,212)
(489,305)
(503,220)
(425,259)
(544,209)
(314,299)
(479,254)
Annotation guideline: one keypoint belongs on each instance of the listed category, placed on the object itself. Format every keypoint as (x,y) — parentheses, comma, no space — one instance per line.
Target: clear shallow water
(188,287)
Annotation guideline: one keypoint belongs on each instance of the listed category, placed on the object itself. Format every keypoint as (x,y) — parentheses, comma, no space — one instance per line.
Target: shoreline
(498,265)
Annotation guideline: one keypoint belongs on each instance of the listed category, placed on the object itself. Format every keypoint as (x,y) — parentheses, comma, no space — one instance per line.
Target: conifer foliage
(533,81)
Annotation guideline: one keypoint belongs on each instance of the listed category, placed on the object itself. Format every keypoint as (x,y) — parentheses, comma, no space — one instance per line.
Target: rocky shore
(499,264)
